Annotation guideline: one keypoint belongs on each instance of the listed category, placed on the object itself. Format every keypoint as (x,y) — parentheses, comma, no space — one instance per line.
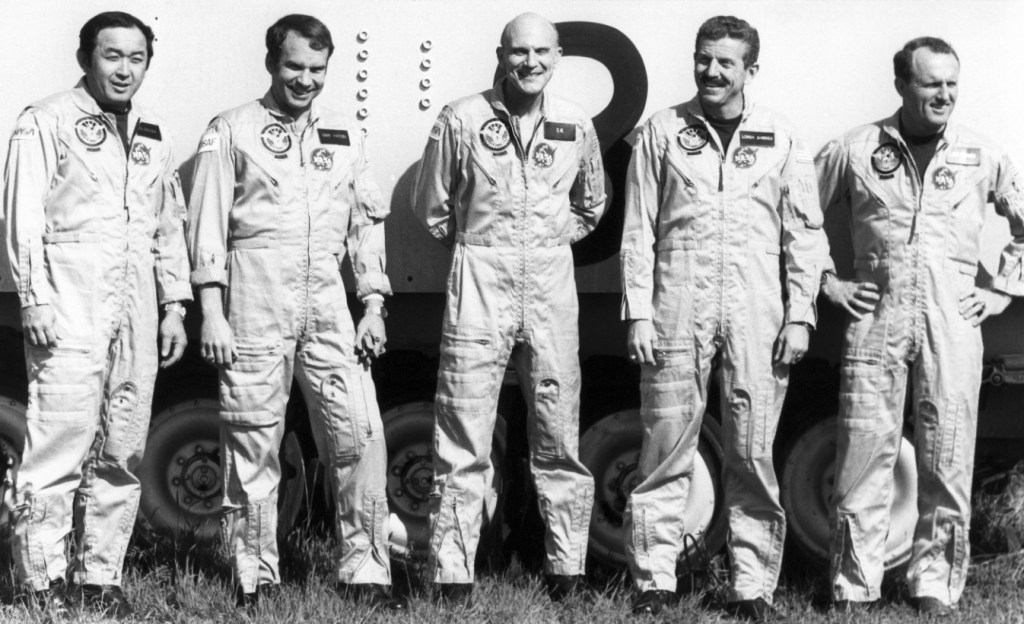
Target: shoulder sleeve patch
(210,141)
(24,133)
(441,123)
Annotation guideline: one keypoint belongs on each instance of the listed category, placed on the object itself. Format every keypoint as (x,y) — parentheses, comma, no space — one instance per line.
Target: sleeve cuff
(178,291)
(209,274)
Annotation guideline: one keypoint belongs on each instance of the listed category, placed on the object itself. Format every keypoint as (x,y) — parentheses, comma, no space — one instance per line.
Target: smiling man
(916,186)
(720,195)
(510,177)
(94,221)
(281,191)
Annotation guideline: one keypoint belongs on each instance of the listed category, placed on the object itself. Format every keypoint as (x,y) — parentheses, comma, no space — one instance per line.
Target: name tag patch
(554,131)
(210,142)
(333,137)
(966,156)
(148,130)
(757,139)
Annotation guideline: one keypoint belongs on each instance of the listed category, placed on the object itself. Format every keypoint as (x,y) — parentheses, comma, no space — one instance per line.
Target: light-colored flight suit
(511,203)
(920,243)
(720,249)
(97,234)
(273,210)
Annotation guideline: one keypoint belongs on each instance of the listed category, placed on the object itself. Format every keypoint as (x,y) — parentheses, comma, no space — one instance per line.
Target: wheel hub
(196,474)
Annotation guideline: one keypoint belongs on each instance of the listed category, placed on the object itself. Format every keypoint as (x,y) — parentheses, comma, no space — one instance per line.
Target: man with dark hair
(93,225)
(916,185)
(282,189)
(510,177)
(719,194)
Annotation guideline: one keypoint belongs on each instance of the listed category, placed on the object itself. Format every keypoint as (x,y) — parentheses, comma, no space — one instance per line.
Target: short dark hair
(111,19)
(722,26)
(902,60)
(305,26)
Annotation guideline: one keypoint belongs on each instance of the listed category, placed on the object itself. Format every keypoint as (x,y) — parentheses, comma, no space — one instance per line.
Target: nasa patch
(275,138)
(744,157)
(693,138)
(944,178)
(140,154)
(886,158)
(91,132)
(494,135)
(322,159)
(544,155)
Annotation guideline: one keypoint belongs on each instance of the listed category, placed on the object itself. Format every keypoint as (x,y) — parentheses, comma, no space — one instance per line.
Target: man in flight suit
(282,190)
(510,177)
(916,186)
(720,193)
(94,221)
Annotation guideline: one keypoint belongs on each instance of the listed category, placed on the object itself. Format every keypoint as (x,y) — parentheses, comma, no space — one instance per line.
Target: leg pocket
(344,405)
(548,430)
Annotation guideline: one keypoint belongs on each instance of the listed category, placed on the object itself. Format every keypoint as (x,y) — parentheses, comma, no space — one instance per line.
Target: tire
(808,475)
(409,433)
(12,443)
(610,449)
(182,481)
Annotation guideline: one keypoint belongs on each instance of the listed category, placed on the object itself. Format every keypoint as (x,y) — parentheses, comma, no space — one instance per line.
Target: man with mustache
(282,190)
(916,185)
(720,195)
(510,177)
(94,230)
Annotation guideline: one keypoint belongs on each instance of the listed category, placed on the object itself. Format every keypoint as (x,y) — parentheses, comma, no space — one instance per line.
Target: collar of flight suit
(87,104)
(496,98)
(693,107)
(891,126)
(270,104)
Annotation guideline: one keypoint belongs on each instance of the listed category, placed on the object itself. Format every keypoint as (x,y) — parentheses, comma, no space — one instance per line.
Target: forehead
(296,49)
(532,34)
(726,47)
(927,66)
(120,38)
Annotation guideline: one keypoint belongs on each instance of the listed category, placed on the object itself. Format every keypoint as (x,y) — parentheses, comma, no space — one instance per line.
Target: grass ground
(194,587)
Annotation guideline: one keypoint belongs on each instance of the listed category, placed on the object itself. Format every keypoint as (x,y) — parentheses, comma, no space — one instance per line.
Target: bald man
(510,177)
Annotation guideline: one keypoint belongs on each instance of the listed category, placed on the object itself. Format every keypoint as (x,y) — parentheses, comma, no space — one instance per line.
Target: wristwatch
(380,311)
(175,306)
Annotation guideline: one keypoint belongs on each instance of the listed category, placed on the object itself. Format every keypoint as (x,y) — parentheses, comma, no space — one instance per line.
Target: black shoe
(375,595)
(108,600)
(561,586)
(928,606)
(756,610)
(54,600)
(652,601)
(249,600)
(454,594)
